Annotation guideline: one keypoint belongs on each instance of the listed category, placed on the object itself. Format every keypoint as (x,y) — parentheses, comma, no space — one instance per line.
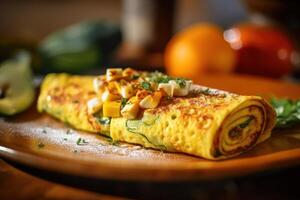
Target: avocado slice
(16,84)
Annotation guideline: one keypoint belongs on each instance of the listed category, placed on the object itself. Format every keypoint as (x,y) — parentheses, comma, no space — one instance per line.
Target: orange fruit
(198,49)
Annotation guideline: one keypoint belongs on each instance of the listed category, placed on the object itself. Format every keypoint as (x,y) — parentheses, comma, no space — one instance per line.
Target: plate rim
(132,172)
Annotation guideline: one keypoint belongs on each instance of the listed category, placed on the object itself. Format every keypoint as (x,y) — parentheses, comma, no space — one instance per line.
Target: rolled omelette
(208,123)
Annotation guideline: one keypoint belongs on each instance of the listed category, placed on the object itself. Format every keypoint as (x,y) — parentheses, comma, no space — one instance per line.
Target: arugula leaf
(288,112)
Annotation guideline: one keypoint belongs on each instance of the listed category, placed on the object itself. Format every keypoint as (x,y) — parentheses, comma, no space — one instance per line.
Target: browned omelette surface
(207,123)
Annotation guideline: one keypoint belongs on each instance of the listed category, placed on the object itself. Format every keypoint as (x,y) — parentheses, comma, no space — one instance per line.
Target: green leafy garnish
(288,112)
(146,85)
(103,120)
(81,142)
(206,91)
(181,82)
(133,125)
(123,102)
(158,77)
(135,76)
(113,142)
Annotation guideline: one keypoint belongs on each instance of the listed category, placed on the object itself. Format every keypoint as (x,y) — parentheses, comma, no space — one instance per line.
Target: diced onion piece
(128,72)
(141,94)
(151,101)
(130,110)
(99,84)
(113,74)
(94,105)
(109,96)
(126,91)
(111,109)
(167,88)
(181,91)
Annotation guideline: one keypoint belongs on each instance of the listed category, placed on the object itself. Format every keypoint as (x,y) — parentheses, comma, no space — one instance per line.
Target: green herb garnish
(104,120)
(206,91)
(181,82)
(287,111)
(68,132)
(81,142)
(123,102)
(113,142)
(146,85)
(135,76)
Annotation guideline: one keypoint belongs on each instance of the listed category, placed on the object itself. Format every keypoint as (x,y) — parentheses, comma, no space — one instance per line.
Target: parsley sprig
(288,112)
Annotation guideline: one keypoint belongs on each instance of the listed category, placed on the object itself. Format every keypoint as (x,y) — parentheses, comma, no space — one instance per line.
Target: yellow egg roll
(208,123)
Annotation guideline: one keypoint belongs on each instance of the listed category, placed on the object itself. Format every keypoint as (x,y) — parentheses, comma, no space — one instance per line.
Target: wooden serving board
(39,141)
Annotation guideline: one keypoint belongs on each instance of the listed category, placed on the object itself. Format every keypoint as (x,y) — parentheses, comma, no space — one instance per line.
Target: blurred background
(182,37)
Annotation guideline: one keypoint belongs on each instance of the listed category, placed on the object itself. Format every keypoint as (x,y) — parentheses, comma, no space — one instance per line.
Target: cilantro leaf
(288,112)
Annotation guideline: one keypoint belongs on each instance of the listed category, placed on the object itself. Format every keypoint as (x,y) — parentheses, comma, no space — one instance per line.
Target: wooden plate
(39,141)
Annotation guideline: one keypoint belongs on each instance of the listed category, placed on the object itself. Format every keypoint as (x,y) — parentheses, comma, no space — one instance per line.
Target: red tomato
(261,50)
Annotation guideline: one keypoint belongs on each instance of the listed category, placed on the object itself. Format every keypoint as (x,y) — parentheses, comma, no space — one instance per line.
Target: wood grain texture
(12,182)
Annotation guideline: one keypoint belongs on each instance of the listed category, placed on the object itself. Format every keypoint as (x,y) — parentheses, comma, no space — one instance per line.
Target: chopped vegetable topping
(111,109)
(123,92)
(181,82)
(146,85)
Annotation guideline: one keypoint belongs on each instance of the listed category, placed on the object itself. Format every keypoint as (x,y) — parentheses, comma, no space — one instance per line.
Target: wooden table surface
(15,184)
